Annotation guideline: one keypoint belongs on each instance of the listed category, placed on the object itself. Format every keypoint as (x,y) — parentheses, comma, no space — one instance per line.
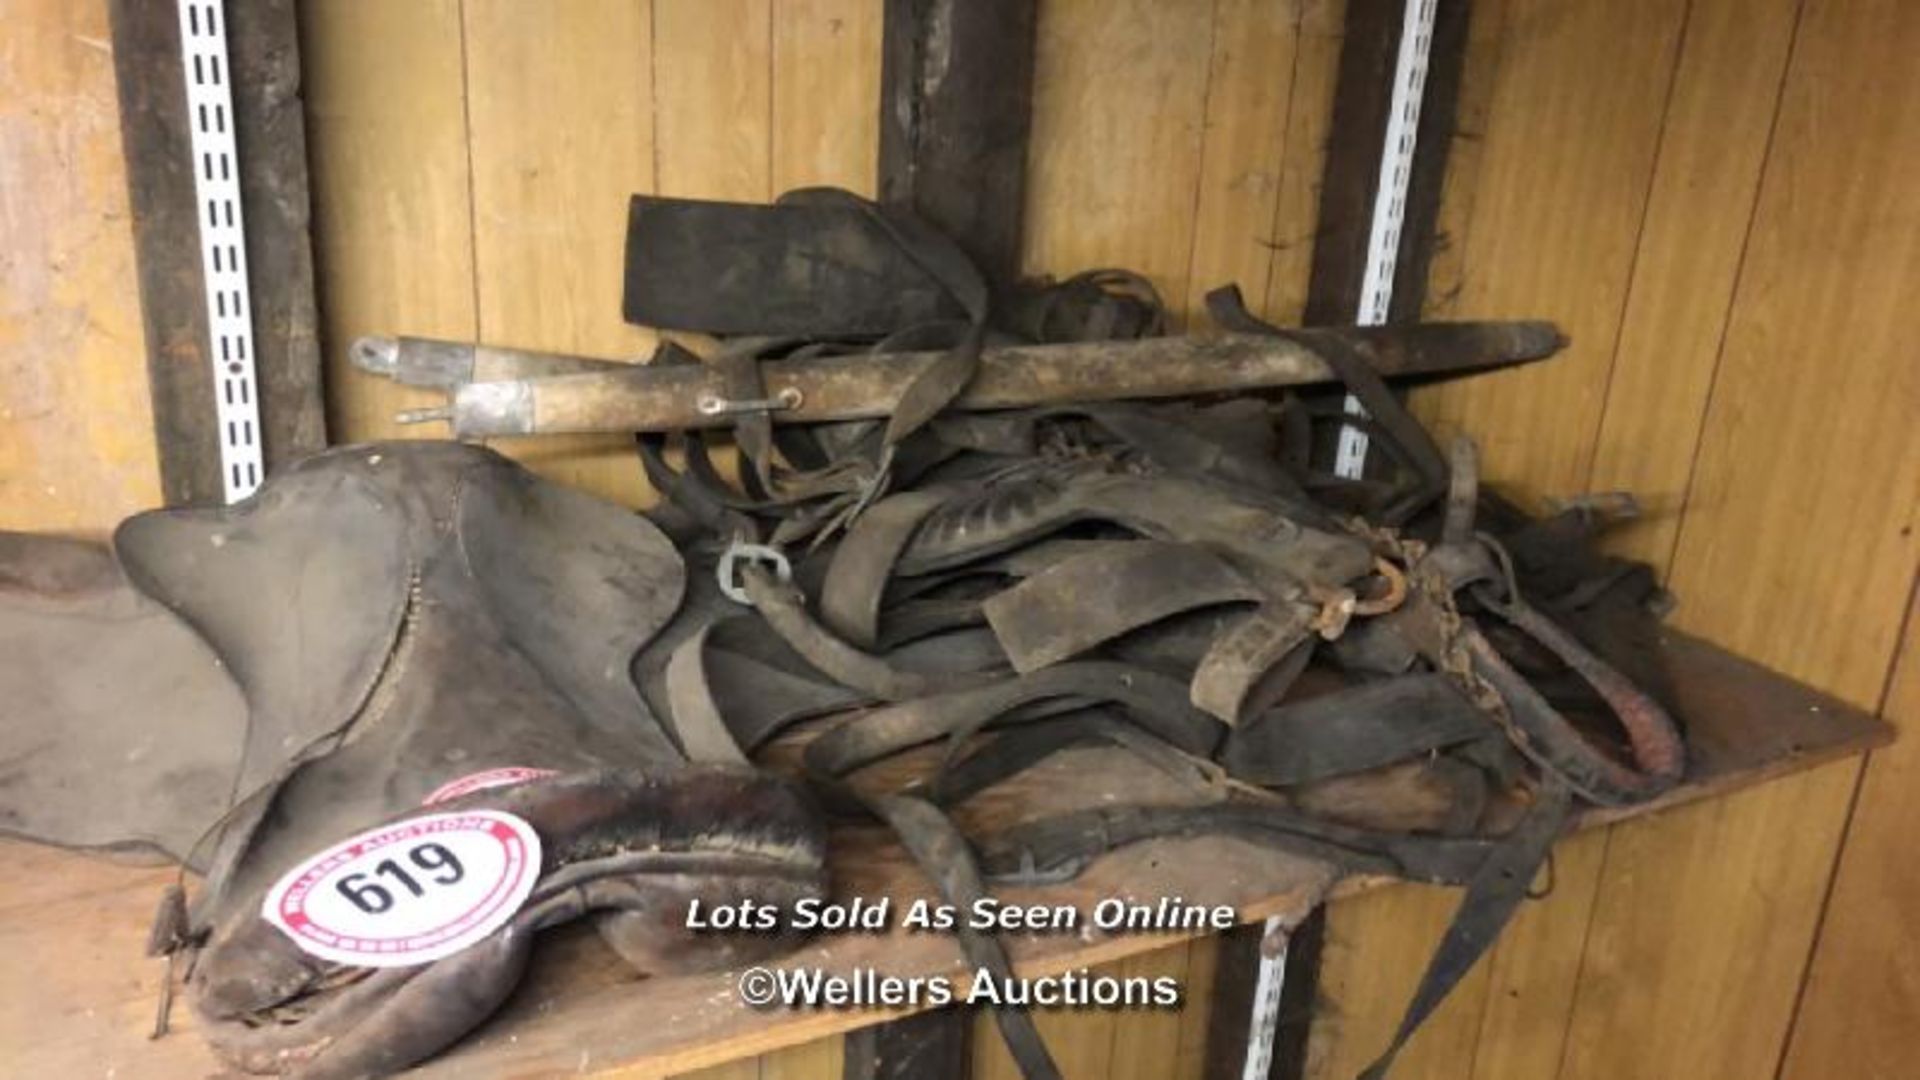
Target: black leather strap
(1493,894)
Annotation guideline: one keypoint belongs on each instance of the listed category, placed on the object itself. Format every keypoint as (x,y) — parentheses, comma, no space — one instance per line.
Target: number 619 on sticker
(375,899)
(408,893)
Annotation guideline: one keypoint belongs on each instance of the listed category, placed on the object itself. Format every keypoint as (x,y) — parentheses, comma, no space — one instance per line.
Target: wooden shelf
(77,999)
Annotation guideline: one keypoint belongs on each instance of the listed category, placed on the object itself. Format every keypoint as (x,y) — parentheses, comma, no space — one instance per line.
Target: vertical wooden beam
(956,103)
(1321,31)
(1235,974)
(270,126)
(1351,180)
(264,55)
(153,129)
(1439,116)
(1299,996)
(956,80)
(1349,185)
(926,1046)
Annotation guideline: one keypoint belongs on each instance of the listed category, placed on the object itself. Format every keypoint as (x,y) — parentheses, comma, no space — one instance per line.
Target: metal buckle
(758,555)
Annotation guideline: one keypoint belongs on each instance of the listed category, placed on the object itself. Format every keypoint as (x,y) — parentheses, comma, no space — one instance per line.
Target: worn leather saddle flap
(119,728)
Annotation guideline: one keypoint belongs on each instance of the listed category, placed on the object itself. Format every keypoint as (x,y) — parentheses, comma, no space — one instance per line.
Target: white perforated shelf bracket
(1350,458)
(1390,203)
(223,246)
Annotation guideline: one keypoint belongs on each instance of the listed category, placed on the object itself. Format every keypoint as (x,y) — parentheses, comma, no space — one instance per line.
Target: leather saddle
(378,626)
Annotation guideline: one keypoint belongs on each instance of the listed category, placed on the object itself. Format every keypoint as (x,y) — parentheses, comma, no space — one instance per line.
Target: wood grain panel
(560,112)
(1530,973)
(1537,74)
(1862,993)
(1134,1044)
(76,421)
(1296,210)
(1203,957)
(1250,86)
(747,1069)
(1376,947)
(1700,931)
(713,95)
(1718,122)
(826,92)
(1560,188)
(1708,162)
(821,1059)
(1796,548)
(1113,173)
(1080,1040)
(1146,1041)
(393,214)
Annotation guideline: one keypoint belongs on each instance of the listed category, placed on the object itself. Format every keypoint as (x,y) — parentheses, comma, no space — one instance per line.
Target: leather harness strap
(944,854)
(1157,702)
(851,593)
(695,718)
(1493,893)
(1161,578)
(1132,584)
(1086,600)
(1378,723)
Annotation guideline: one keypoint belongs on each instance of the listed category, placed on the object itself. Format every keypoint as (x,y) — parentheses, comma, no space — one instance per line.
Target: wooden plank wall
(1713,196)
(76,420)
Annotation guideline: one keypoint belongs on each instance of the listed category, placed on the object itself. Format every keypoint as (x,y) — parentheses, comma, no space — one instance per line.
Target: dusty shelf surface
(77,997)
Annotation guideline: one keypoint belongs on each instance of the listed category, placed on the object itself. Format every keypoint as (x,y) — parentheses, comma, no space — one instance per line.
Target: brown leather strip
(1083,601)
(784,608)
(1243,654)
(863,563)
(1552,741)
(695,717)
(944,855)
(1158,702)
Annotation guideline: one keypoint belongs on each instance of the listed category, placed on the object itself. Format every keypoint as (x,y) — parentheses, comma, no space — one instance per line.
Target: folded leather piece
(1081,602)
(121,731)
(1378,723)
(793,268)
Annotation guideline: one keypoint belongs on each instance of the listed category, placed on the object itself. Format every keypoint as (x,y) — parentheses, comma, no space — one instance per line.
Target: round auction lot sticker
(410,892)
